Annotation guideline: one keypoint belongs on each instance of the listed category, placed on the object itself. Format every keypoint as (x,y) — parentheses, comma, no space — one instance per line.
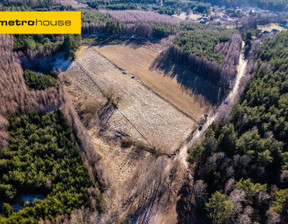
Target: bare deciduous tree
(229,185)
(200,192)
(273,217)
(237,196)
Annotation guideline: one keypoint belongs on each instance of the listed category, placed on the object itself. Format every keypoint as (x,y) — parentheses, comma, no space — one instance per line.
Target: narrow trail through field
(199,134)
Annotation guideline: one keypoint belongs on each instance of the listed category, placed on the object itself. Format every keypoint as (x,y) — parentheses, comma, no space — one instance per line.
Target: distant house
(204,20)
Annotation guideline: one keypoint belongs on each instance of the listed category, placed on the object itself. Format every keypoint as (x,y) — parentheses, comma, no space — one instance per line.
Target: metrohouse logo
(60,22)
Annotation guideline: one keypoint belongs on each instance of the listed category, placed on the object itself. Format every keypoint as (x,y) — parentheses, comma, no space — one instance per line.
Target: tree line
(163,7)
(116,28)
(199,61)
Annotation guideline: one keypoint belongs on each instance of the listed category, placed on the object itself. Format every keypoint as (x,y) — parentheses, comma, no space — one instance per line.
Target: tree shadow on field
(186,78)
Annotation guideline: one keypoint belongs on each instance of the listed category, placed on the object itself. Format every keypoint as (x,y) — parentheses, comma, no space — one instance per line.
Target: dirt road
(199,134)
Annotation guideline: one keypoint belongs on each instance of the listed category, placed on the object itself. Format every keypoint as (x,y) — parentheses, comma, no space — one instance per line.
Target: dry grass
(136,172)
(194,16)
(140,113)
(191,16)
(137,61)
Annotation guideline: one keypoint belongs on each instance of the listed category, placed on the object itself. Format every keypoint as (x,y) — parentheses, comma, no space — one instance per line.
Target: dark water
(27,197)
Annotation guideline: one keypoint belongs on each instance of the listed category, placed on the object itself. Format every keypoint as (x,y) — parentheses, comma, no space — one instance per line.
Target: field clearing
(181,16)
(138,60)
(270,27)
(190,16)
(140,113)
(134,172)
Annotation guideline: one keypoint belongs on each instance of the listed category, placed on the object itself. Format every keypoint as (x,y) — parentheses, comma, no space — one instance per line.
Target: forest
(242,165)
(35,145)
(240,170)
(145,24)
(41,159)
(139,16)
(202,42)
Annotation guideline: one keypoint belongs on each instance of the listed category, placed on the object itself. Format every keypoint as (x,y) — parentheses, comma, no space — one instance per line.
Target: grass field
(138,60)
(191,16)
